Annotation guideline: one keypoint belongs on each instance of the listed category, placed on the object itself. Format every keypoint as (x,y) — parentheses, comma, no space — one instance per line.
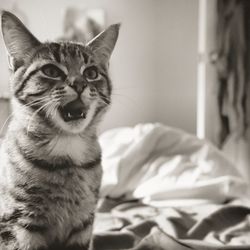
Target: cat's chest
(73,147)
(72,203)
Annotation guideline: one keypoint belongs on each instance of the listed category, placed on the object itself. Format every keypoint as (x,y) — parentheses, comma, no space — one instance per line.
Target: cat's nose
(78,84)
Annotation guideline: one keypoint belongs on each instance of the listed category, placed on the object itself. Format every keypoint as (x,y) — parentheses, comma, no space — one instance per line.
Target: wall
(177,63)
(153,66)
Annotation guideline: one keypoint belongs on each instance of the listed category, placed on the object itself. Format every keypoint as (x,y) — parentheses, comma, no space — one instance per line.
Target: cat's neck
(49,143)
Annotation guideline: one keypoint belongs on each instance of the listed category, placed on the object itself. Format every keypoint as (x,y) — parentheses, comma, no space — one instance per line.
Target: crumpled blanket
(186,193)
(162,166)
(136,226)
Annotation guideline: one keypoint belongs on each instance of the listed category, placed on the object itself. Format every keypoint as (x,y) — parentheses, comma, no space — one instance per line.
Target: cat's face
(65,83)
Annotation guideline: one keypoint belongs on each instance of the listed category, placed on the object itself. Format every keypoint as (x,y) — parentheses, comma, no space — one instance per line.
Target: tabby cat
(50,159)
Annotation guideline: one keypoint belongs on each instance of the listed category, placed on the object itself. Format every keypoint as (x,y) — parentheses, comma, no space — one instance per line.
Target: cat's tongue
(73,111)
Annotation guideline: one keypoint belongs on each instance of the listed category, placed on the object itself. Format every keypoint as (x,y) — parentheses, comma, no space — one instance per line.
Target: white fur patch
(73,146)
(29,241)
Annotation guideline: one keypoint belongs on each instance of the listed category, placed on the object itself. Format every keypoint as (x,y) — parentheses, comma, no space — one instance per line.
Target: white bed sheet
(164,166)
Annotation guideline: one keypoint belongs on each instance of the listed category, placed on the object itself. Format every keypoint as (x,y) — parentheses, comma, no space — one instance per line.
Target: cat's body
(52,201)
(50,160)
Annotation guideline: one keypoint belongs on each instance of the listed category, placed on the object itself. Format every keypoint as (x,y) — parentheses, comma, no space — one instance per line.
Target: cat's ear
(17,38)
(103,44)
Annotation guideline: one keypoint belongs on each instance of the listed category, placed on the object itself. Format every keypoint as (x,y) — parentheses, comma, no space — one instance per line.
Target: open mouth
(72,111)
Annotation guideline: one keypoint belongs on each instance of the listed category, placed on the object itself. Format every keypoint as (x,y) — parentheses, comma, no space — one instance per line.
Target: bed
(166,189)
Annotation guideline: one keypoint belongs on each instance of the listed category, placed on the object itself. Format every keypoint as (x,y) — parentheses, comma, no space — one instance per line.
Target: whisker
(53,112)
(126,88)
(10,116)
(37,101)
(124,96)
(52,109)
(57,96)
(106,101)
(36,112)
(6,121)
(104,98)
(133,105)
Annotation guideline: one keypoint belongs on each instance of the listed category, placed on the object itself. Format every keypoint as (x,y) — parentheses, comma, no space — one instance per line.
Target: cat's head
(66,84)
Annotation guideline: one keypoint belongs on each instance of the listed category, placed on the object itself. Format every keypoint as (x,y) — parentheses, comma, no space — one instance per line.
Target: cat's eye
(52,71)
(91,73)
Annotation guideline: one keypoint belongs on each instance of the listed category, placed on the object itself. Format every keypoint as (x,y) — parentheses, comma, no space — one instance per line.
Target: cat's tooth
(69,115)
(82,114)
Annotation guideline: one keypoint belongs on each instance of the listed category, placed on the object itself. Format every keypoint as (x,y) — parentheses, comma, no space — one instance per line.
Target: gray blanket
(132,225)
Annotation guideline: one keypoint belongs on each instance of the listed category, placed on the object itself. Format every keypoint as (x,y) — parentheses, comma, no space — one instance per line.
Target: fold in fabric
(162,166)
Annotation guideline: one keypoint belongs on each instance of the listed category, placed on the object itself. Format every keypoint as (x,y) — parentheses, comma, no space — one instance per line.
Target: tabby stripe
(104,98)
(30,199)
(63,164)
(22,85)
(56,55)
(42,164)
(45,165)
(84,224)
(63,51)
(37,190)
(15,164)
(92,164)
(72,51)
(108,82)
(85,57)
(38,93)
(60,164)
(55,50)
(13,217)
(33,228)
(25,194)
(58,246)
(6,236)
(78,247)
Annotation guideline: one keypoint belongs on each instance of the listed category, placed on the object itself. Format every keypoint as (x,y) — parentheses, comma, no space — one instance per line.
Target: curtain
(231,67)
(233,72)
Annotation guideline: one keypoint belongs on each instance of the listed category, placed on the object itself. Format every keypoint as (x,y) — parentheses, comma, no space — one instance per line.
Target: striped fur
(50,163)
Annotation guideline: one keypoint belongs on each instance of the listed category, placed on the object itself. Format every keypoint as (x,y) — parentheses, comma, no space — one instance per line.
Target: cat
(50,159)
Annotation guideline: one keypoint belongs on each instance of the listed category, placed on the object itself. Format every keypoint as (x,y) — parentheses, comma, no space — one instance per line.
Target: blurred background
(181,63)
